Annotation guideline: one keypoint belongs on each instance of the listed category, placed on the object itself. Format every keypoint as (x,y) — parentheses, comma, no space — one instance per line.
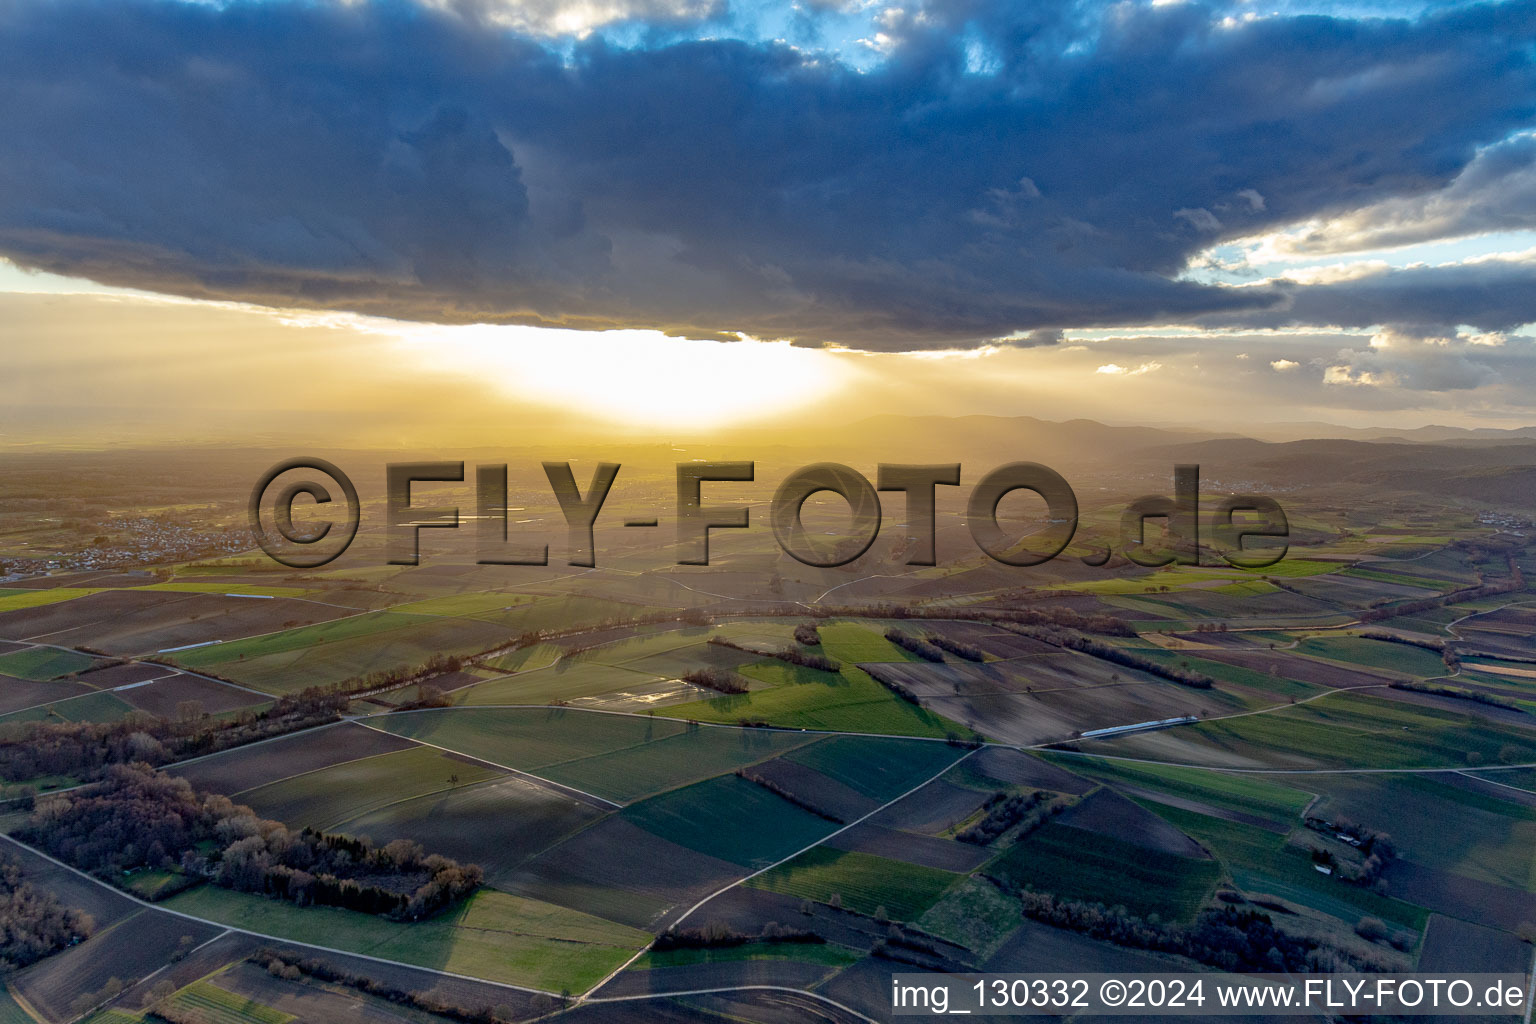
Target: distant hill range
(1498,473)
(1422,435)
(952,438)
(1485,465)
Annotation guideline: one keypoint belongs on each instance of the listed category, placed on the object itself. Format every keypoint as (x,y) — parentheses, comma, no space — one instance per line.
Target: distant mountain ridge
(1432,434)
(952,438)
(1486,465)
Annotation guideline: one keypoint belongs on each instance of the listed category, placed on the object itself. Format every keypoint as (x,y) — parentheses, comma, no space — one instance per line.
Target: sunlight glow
(634,377)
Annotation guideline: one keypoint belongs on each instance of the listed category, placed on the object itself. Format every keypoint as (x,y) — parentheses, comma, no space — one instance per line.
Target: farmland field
(975,914)
(528,738)
(1413,661)
(731,819)
(86,707)
(1095,868)
(849,701)
(498,823)
(206,1001)
(494,935)
(296,640)
(21,694)
(868,884)
(1347,729)
(10,1012)
(688,756)
(1273,800)
(1482,834)
(833,956)
(1264,864)
(330,652)
(803,835)
(463,604)
(17,599)
(128,949)
(233,771)
(327,798)
(881,769)
(43,663)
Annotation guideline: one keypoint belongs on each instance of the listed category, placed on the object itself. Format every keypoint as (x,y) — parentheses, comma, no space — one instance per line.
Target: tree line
(791,655)
(784,794)
(1005,811)
(84,750)
(1458,693)
(1514,583)
(1075,641)
(718,679)
(33,923)
(1042,615)
(960,650)
(1230,938)
(285,964)
(907,642)
(136,818)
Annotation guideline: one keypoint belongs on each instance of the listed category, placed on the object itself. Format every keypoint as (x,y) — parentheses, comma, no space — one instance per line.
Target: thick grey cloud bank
(1008,168)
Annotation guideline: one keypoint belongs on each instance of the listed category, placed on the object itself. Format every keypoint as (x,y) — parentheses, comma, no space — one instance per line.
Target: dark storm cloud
(1008,167)
(1494,294)
(1496,192)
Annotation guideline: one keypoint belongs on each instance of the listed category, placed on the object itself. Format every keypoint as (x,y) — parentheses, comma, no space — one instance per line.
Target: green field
(15,600)
(801,698)
(620,757)
(729,818)
(882,769)
(849,701)
(101,706)
(1293,567)
(1346,730)
(302,638)
(571,679)
(341,649)
(855,641)
(1518,778)
(647,644)
(327,798)
(1263,863)
(43,663)
(108,1016)
(464,604)
(689,756)
(10,1011)
(1476,834)
(1268,689)
(975,914)
(528,738)
(525,659)
(260,590)
(1279,804)
(1197,579)
(1398,579)
(493,935)
(206,1002)
(151,884)
(1096,868)
(864,882)
(1380,654)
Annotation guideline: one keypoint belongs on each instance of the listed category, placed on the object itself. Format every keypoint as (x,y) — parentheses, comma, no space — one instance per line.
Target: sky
(389,219)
